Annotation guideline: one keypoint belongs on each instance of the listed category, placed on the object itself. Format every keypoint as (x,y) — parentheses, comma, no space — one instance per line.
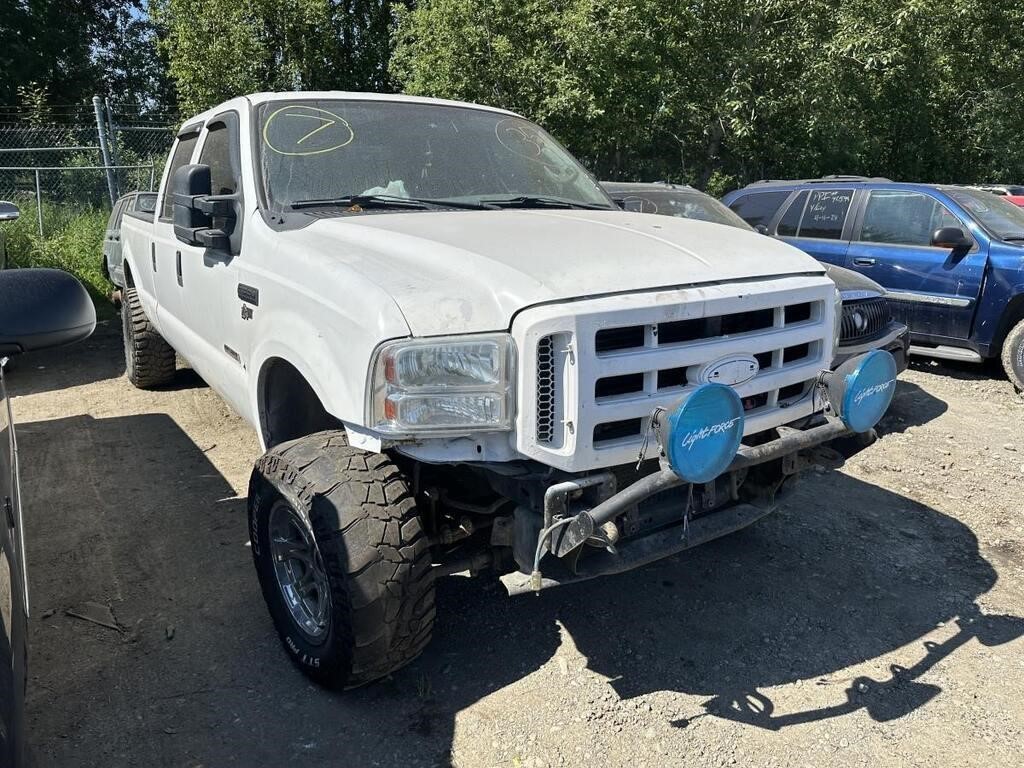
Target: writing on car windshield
(334,150)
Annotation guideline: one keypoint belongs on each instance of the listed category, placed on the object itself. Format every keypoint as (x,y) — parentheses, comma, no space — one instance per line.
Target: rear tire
(355,517)
(1013,356)
(148,360)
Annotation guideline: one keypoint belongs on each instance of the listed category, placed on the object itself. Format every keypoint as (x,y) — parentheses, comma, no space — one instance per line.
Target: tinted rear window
(759,207)
(790,223)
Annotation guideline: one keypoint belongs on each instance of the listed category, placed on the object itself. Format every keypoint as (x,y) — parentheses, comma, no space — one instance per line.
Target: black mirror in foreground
(195,208)
(41,308)
(952,238)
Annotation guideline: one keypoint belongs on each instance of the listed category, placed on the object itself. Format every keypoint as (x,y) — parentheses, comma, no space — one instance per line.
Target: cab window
(759,207)
(219,155)
(898,217)
(183,148)
(790,223)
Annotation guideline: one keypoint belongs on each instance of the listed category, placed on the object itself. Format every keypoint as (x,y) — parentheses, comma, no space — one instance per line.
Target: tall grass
(72,241)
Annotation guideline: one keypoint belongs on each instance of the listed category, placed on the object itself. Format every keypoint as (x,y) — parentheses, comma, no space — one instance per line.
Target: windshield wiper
(386,201)
(529,201)
(1013,238)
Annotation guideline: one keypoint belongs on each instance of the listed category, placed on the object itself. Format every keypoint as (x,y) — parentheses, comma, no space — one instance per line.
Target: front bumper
(572,536)
(895,340)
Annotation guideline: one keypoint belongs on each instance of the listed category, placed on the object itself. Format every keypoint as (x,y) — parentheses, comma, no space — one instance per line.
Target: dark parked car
(135,204)
(949,257)
(39,308)
(8,212)
(867,321)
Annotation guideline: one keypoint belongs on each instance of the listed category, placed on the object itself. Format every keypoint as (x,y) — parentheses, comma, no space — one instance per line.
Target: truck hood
(471,271)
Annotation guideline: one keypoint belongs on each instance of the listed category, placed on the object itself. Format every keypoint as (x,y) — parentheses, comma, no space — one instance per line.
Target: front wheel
(148,359)
(342,560)
(1013,356)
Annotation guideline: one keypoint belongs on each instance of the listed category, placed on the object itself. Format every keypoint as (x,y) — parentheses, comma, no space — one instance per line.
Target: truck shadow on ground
(129,512)
(99,358)
(845,573)
(911,406)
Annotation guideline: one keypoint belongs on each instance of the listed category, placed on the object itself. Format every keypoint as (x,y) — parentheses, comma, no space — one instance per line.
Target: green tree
(218,49)
(725,91)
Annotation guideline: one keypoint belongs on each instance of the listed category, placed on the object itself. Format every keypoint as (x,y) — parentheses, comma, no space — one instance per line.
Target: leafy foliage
(223,48)
(718,92)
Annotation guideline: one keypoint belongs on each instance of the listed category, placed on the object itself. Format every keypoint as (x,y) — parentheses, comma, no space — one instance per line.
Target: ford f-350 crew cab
(459,355)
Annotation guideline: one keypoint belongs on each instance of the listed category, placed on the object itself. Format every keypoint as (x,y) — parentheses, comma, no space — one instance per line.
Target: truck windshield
(329,150)
(997,216)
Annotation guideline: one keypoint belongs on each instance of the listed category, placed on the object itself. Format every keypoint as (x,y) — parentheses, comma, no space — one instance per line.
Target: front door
(933,290)
(208,277)
(13,596)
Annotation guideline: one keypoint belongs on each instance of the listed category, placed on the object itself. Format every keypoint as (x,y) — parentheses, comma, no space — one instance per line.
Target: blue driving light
(701,435)
(861,389)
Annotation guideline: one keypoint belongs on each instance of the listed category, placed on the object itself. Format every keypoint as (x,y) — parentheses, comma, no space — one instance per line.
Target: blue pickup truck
(950,258)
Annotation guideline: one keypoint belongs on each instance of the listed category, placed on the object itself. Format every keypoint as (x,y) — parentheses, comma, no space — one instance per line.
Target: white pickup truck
(459,355)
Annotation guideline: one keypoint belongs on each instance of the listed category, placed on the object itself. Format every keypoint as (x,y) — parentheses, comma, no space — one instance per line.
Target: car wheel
(342,560)
(1013,356)
(149,360)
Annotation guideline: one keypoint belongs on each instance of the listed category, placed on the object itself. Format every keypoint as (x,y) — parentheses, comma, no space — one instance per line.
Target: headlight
(455,384)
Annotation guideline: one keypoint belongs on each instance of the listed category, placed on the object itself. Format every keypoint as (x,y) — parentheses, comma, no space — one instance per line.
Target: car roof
(255,99)
(877,182)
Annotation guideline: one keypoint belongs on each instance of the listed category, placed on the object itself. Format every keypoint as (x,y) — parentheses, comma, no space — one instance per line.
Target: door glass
(900,217)
(791,220)
(826,213)
(183,149)
(115,215)
(759,207)
(217,154)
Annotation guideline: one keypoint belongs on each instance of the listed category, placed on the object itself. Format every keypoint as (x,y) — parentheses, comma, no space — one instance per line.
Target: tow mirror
(41,308)
(9,211)
(195,208)
(952,238)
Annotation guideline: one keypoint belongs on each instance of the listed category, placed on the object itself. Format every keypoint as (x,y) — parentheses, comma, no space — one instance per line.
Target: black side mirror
(619,201)
(9,211)
(195,207)
(41,308)
(952,238)
(761,229)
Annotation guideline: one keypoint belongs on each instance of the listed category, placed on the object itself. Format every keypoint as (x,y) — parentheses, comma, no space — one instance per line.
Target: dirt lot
(875,620)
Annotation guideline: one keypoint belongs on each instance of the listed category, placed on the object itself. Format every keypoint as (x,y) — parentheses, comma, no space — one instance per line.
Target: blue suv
(950,258)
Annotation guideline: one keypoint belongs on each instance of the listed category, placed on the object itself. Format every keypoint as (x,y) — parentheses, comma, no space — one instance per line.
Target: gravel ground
(874,620)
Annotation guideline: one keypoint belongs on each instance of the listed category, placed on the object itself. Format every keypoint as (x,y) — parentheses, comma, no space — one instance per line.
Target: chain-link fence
(62,159)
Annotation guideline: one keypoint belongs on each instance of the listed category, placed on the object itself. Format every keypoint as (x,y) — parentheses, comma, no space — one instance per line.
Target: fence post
(39,205)
(97,106)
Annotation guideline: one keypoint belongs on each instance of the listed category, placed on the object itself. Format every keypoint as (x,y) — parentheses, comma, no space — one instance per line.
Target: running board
(947,353)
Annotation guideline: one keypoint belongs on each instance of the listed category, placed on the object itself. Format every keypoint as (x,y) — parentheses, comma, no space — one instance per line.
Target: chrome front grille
(595,369)
(863,319)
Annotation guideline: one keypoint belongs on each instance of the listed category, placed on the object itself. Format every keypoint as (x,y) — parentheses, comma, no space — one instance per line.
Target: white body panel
(330,292)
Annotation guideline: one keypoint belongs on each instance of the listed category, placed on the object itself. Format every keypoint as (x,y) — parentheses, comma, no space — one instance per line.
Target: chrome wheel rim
(300,572)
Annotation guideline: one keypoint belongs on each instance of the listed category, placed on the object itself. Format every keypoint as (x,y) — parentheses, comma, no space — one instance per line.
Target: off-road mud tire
(148,359)
(366,527)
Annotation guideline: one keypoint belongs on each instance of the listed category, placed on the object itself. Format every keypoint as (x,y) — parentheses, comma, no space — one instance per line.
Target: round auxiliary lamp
(700,436)
(861,389)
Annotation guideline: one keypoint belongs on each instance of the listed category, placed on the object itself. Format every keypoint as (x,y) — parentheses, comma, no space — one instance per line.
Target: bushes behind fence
(73,242)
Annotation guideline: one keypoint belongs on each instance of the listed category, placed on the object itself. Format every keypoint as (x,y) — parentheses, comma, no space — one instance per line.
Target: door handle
(862,261)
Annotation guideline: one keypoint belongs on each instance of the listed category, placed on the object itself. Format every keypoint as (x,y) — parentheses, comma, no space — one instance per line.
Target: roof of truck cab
(255,99)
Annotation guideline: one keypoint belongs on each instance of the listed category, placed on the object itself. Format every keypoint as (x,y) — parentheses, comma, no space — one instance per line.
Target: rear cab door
(817,221)
(933,290)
